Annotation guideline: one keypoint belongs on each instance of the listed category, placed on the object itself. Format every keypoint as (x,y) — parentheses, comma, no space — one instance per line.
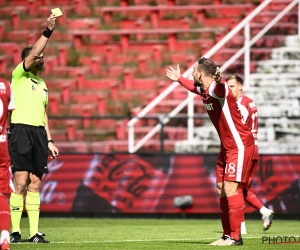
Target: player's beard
(198,83)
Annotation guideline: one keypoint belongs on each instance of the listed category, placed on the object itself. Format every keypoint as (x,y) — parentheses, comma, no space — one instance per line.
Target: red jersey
(6,104)
(248,110)
(223,111)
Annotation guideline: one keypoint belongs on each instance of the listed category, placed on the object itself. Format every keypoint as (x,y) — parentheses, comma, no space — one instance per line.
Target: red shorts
(247,184)
(235,165)
(4,172)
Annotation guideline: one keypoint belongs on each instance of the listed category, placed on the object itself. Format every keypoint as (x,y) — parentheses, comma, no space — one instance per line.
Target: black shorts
(28,149)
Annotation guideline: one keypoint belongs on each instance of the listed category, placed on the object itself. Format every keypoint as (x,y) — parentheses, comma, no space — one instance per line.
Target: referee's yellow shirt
(30,97)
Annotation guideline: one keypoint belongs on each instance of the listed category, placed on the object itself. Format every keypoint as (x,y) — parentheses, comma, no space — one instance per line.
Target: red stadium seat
(114,58)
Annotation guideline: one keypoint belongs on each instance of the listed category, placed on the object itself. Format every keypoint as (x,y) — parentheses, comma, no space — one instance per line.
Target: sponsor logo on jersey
(2,88)
(208,106)
(2,85)
(2,138)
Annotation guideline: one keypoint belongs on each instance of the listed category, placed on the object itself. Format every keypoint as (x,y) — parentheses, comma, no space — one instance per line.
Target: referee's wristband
(51,141)
(47,32)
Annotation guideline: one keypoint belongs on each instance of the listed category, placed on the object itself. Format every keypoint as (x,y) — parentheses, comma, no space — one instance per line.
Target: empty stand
(109,58)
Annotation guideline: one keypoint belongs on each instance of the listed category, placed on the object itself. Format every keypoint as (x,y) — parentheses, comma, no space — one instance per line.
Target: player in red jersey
(249,112)
(6,106)
(237,143)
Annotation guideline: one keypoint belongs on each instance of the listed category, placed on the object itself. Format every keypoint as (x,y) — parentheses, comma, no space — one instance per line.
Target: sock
(235,205)
(4,214)
(33,210)
(243,215)
(263,210)
(16,209)
(4,235)
(243,226)
(252,199)
(224,215)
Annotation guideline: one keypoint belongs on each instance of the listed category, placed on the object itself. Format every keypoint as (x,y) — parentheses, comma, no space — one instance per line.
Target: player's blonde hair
(236,77)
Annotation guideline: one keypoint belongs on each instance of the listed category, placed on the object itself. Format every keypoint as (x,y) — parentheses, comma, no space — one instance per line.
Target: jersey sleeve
(248,111)
(245,114)
(218,91)
(188,84)
(19,71)
(253,112)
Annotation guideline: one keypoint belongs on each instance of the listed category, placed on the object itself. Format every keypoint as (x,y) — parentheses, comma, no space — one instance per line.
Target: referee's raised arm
(29,123)
(40,45)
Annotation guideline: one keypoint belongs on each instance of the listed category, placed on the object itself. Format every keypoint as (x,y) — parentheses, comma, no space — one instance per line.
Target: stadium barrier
(148,183)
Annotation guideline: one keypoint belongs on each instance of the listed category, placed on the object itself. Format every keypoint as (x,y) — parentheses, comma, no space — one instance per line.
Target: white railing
(189,101)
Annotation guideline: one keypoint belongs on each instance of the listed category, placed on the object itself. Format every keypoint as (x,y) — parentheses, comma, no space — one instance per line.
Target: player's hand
(53,150)
(217,76)
(173,74)
(51,22)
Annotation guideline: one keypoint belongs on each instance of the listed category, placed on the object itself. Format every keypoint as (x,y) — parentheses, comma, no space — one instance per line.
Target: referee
(30,137)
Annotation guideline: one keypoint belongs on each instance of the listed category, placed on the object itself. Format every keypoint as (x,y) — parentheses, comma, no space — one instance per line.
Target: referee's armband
(47,32)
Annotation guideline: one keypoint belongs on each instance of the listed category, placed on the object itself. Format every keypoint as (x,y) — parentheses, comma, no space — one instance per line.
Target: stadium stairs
(108,58)
(280,129)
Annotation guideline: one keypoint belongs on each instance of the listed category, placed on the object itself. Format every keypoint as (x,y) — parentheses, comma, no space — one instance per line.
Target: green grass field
(79,233)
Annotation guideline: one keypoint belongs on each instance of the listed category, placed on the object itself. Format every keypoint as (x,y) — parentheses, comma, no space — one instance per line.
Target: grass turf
(79,233)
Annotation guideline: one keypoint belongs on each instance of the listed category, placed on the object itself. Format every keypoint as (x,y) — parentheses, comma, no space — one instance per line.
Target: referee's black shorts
(28,148)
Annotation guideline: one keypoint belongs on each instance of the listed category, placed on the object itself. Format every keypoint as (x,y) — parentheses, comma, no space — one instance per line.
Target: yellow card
(57,12)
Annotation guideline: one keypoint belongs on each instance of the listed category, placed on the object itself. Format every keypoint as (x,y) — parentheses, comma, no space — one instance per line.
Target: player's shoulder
(4,83)
(245,100)
(4,88)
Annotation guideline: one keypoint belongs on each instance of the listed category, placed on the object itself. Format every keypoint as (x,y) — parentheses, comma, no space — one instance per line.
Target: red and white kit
(237,143)
(6,104)
(248,110)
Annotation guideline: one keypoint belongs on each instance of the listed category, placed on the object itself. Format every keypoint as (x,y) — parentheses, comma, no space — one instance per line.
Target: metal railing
(189,101)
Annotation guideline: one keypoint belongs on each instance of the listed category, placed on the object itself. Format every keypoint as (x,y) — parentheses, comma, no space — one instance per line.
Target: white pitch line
(137,240)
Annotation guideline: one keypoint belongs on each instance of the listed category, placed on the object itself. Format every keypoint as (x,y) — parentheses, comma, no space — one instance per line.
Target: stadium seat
(114,57)
(54,100)
(3,63)
(106,35)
